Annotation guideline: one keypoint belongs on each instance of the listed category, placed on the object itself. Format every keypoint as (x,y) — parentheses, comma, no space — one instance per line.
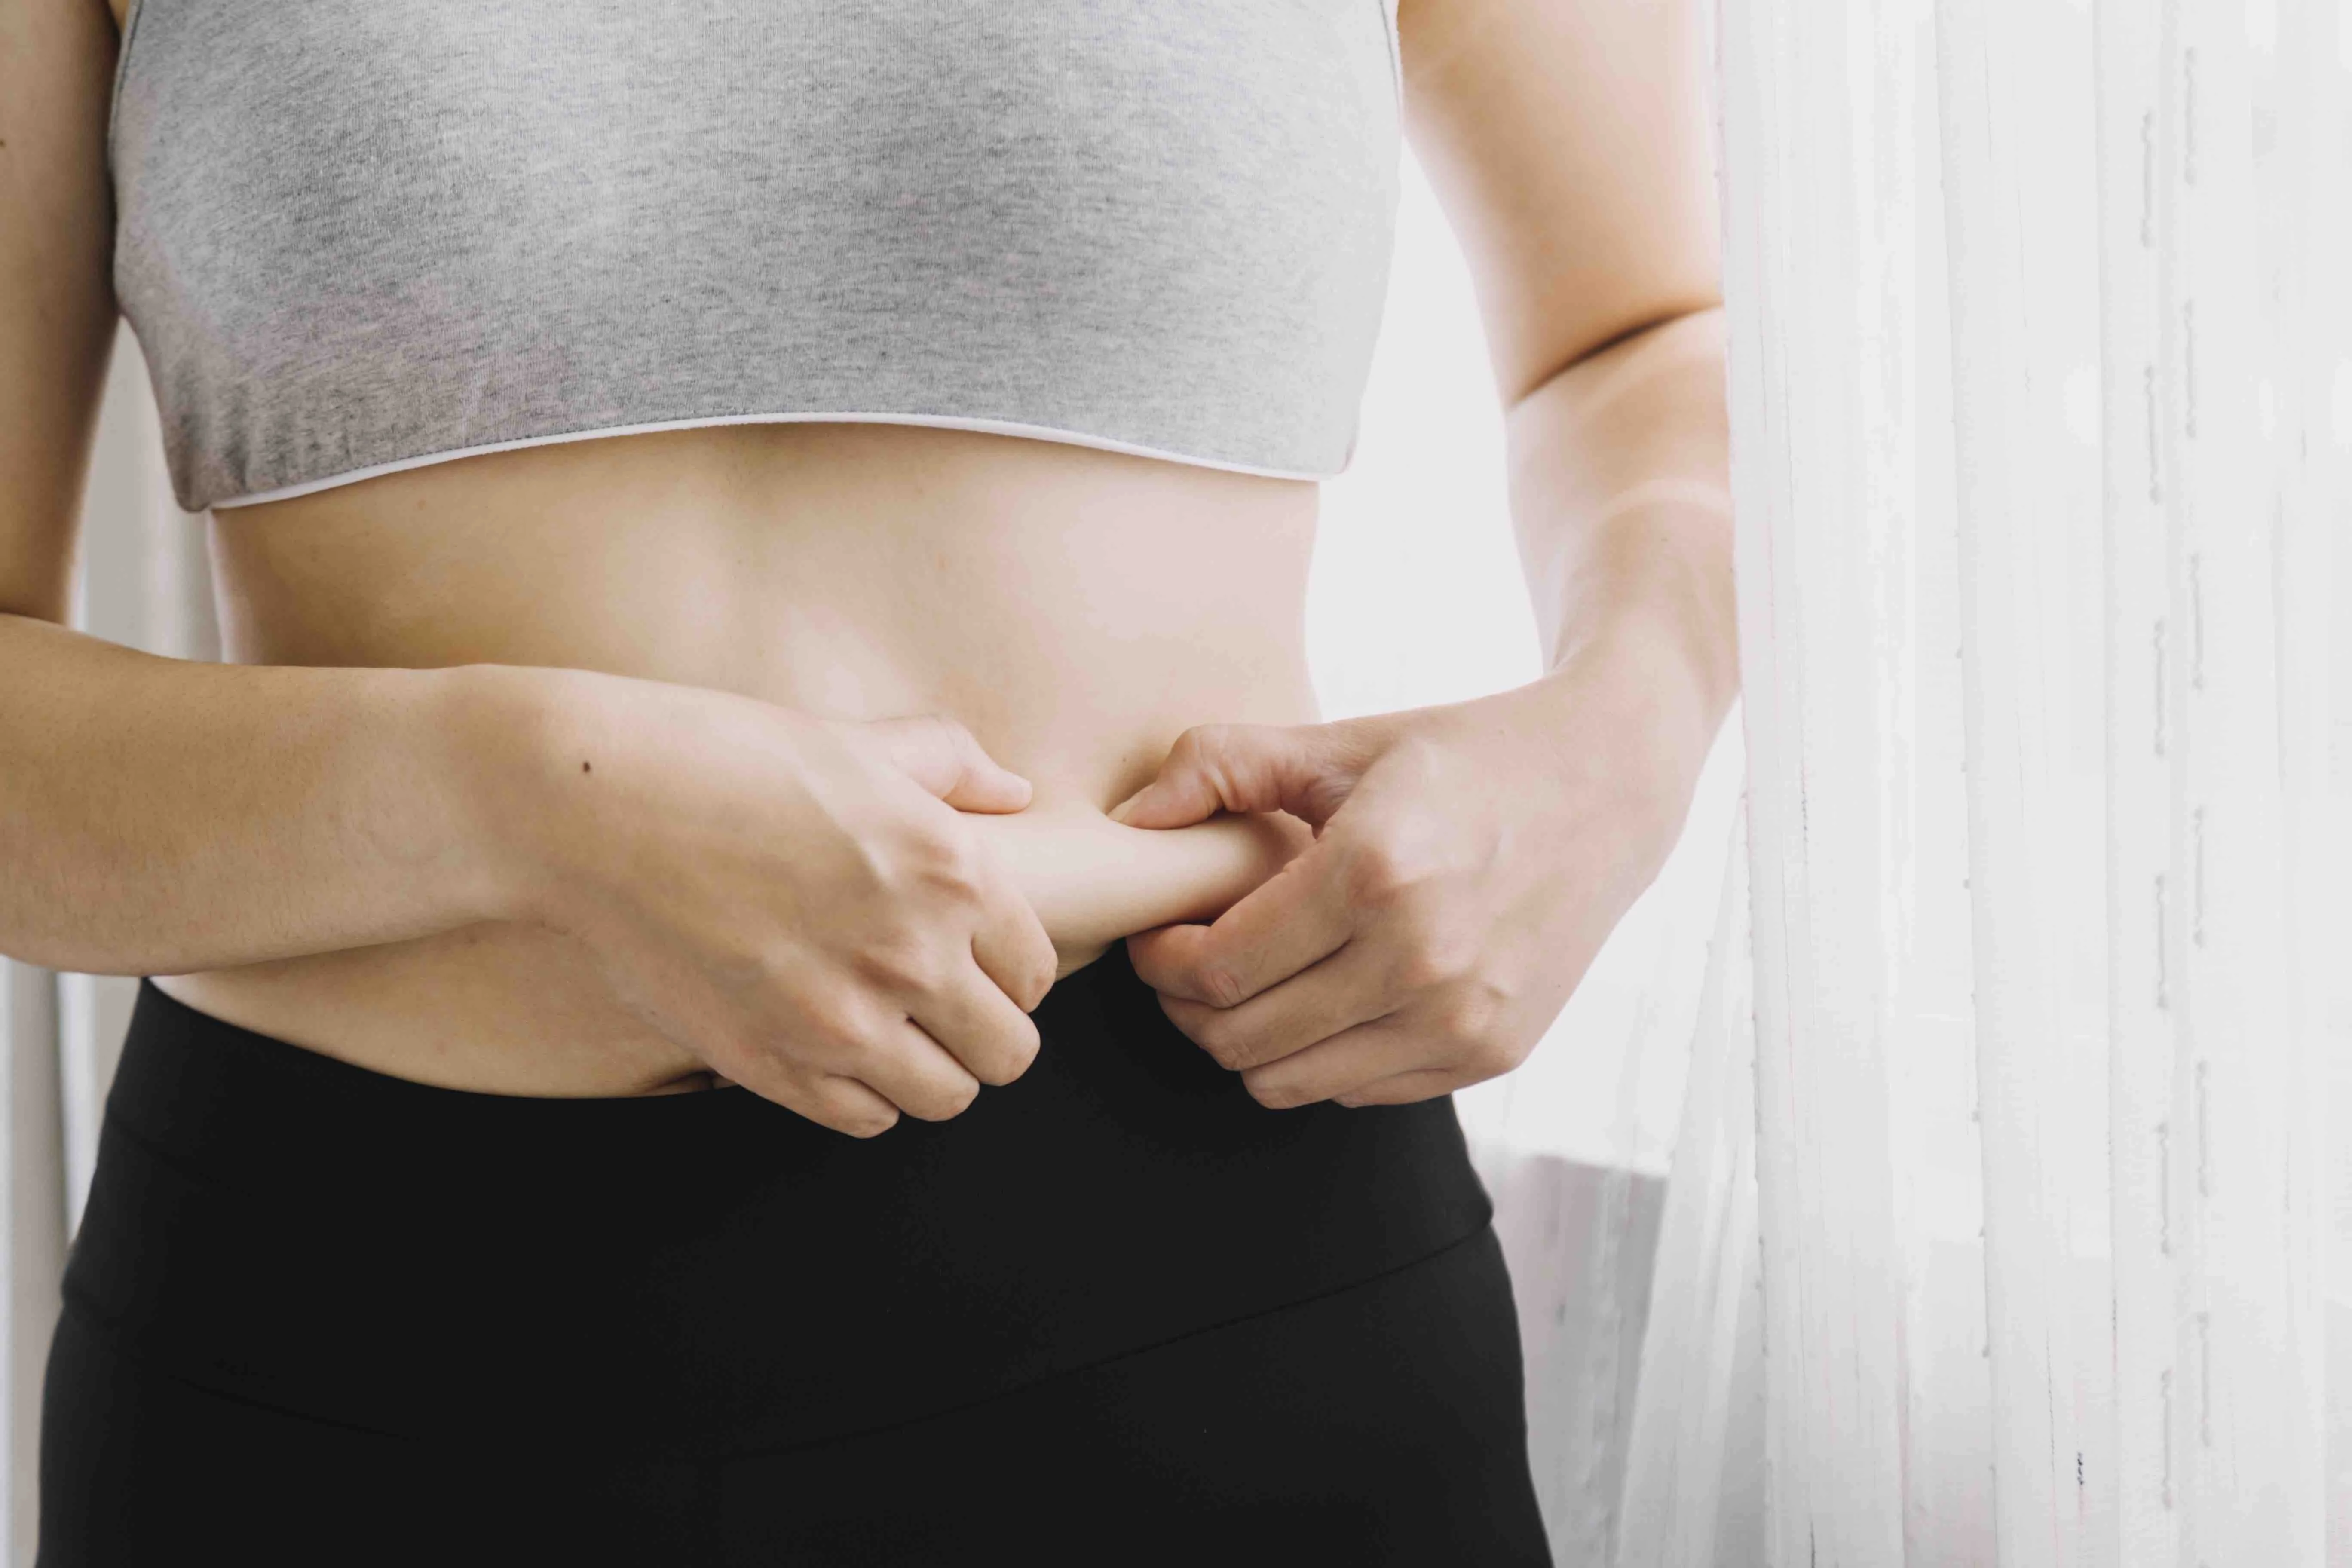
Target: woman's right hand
(796,901)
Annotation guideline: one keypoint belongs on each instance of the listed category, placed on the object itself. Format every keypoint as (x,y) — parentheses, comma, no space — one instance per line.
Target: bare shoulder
(1570,144)
(56,302)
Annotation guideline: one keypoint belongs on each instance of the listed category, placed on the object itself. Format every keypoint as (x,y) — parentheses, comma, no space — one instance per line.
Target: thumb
(939,753)
(1307,770)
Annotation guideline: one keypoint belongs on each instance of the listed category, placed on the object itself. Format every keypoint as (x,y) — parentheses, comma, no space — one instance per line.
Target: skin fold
(787,755)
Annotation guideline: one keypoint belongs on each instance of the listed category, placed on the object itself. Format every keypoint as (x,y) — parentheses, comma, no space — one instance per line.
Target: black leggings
(1115,1312)
(1375,1424)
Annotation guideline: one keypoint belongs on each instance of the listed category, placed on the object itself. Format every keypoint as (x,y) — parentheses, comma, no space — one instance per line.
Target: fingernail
(1118,813)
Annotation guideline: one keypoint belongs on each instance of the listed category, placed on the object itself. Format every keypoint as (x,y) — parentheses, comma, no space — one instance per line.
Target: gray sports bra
(359,236)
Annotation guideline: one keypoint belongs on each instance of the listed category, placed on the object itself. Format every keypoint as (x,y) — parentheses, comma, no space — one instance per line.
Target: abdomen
(1076,609)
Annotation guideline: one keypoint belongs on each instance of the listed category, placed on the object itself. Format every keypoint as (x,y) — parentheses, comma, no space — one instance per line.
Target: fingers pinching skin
(943,756)
(1306,770)
(833,890)
(1292,919)
(1407,1087)
(1010,943)
(1344,1063)
(1328,997)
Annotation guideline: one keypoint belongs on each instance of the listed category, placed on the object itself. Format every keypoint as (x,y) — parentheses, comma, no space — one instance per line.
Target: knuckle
(1209,751)
(1430,961)
(1217,1036)
(897,965)
(1012,1059)
(999,1061)
(1381,873)
(961,868)
(1218,985)
(1199,743)
(1416,969)
(1034,979)
(1040,985)
(1275,1096)
(1418,759)
(1488,1053)
(944,858)
(858,1116)
(1466,1020)
(945,1101)
(829,1099)
(1488,1064)
(833,1027)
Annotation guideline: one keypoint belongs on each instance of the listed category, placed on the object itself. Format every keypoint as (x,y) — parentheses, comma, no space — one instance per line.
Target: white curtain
(2042,393)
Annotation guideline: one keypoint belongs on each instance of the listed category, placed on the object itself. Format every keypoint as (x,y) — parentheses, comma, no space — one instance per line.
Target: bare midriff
(1077,609)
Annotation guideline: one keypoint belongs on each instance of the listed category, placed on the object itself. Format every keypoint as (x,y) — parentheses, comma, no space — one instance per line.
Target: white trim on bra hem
(934,421)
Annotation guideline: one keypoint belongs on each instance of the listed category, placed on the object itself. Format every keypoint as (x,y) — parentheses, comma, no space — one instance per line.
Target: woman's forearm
(1620,495)
(159,816)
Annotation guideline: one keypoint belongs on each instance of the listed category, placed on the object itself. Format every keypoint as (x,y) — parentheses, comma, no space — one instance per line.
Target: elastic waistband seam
(113,1121)
(125,1344)
(1293,1304)
(120,1343)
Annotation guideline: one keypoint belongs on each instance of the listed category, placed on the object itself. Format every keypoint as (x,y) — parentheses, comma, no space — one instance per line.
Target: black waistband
(711,1269)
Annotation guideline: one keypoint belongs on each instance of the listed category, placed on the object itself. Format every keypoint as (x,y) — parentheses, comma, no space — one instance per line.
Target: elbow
(1694,315)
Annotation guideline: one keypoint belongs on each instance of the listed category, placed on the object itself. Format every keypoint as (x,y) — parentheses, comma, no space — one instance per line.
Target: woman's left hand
(1468,860)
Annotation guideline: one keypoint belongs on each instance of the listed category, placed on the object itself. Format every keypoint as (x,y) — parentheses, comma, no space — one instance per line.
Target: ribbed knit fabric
(357,237)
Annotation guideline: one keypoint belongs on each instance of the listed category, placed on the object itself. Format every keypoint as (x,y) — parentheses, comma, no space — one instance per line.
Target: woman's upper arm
(56,294)
(1568,142)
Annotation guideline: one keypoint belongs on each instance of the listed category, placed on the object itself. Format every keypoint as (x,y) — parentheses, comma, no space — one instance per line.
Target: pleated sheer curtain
(2010,1211)
(2042,393)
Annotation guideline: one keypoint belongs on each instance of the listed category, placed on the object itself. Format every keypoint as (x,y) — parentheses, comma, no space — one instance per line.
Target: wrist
(512,740)
(1651,699)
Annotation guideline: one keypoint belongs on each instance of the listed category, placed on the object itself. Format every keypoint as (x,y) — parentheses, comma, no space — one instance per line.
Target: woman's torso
(1077,607)
(578,1260)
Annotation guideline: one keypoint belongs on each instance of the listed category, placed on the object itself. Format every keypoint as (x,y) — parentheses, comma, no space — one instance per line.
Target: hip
(694,1273)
